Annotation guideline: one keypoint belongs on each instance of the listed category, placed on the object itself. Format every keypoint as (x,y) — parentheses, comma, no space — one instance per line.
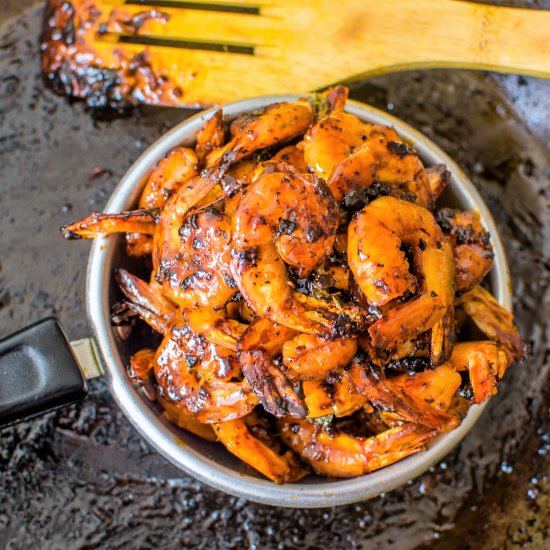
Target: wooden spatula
(179,53)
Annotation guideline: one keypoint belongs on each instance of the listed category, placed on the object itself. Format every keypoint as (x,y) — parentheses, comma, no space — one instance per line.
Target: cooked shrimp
(196,271)
(375,256)
(147,301)
(386,396)
(438,179)
(271,126)
(385,161)
(485,361)
(293,156)
(330,140)
(438,387)
(443,332)
(496,322)
(342,455)
(309,357)
(211,135)
(174,414)
(136,221)
(239,441)
(210,400)
(215,327)
(142,365)
(170,173)
(258,348)
(472,248)
(286,217)
(340,398)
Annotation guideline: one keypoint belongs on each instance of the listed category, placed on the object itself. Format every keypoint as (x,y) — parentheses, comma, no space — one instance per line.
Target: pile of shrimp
(308,292)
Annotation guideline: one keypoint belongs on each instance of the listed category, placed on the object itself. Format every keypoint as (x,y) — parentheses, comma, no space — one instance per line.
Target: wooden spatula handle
(479,36)
(383,36)
(498,38)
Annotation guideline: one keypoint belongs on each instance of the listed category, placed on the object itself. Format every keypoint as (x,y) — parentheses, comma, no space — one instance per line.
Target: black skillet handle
(38,372)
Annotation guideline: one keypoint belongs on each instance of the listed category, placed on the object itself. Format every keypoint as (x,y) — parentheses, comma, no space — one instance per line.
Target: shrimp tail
(136,221)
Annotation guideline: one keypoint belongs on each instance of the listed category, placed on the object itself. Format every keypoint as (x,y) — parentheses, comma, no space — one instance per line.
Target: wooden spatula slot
(172,52)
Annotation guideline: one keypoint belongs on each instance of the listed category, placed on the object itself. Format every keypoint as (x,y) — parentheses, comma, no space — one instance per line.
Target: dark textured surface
(83,478)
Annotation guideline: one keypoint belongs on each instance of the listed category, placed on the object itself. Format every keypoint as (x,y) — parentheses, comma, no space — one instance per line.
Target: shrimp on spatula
(303,299)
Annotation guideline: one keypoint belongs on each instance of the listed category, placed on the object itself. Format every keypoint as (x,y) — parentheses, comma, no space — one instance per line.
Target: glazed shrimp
(293,156)
(170,173)
(342,455)
(147,301)
(136,221)
(258,348)
(196,271)
(215,327)
(437,387)
(286,217)
(330,140)
(340,398)
(238,440)
(375,237)
(485,361)
(210,136)
(142,365)
(382,160)
(496,322)
(473,252)
(271,126)
(388,397)
(442,333)
(173,413)
(141,369)
(309,357)
(209,400)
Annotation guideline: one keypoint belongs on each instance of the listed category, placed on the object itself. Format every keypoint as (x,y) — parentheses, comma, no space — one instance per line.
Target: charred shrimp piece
(293,156)
(286,218)
(339,398)
(142,370)
(257,350)
(147,301)
(443,332)
(195,267)
(473,252)
(375,239)
(215,327)
(173,413)
(273,125)
(385,161)
(436,387)
(142,365)
(330,140)
(343,455)
(384,395)
(190,372)
(238,440)
(136,221)
(211,136)
(178,167)
(496,322)
(486,363)
(309,357)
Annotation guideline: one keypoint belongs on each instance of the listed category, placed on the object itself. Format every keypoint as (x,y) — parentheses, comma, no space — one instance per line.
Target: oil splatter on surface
(83,477)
